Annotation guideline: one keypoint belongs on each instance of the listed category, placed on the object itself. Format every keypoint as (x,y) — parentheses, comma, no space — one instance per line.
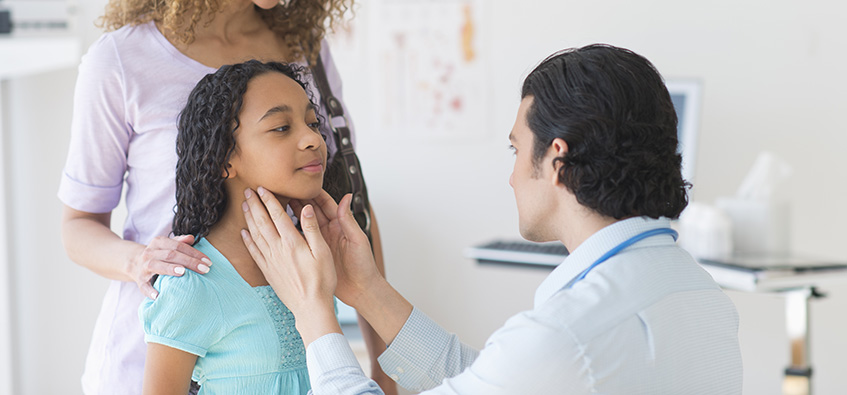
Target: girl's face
(277,144)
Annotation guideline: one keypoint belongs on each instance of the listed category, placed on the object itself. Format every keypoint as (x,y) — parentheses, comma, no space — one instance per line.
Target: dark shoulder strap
(344,144)
(333,106)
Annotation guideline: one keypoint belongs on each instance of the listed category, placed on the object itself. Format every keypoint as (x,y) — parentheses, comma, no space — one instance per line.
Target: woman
(132,84)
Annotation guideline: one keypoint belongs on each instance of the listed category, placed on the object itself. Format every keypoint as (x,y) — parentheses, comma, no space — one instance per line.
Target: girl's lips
(313,166)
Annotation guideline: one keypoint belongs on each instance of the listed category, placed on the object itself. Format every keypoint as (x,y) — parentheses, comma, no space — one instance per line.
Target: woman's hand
(301,271)
(167,256)
(91,243)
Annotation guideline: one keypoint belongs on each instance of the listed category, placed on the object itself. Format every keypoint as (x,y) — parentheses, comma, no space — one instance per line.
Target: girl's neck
(225,236)
(232,220)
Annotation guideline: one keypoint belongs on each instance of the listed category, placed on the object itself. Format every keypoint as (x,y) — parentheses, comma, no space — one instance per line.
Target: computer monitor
(685,95)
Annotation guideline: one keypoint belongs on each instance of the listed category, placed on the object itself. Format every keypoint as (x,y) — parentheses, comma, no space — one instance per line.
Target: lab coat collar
(592,249)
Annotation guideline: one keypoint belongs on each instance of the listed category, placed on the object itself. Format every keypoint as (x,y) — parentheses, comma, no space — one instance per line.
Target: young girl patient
(246,125)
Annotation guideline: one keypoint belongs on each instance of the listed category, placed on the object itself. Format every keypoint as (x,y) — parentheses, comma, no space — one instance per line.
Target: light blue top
(649,320)
(244,336)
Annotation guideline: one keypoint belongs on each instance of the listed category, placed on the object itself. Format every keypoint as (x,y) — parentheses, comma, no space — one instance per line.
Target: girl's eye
(315,125)
(282,128)
(513,149)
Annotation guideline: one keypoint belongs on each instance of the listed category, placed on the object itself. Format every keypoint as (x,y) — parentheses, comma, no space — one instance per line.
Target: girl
(246,125)
(131,86)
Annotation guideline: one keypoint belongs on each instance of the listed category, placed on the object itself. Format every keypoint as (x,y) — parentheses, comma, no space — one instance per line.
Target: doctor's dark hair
(206,141)
(613,110)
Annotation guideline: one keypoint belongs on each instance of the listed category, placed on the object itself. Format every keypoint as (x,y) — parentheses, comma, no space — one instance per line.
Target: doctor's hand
(359,283)
(355,266)
(298,267)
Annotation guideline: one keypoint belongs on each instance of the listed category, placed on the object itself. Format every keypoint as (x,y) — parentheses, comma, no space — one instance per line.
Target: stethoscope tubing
(620,247)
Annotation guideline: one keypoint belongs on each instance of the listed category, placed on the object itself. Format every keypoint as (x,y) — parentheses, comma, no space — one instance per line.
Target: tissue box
(758,227)
(706,232)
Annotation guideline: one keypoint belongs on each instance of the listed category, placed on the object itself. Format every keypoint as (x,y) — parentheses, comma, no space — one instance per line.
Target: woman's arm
(374,344)
(91,243)
(167,370)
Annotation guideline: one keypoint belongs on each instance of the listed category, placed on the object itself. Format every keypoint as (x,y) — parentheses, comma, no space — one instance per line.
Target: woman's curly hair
(301,23)
(206,141)
(612,108)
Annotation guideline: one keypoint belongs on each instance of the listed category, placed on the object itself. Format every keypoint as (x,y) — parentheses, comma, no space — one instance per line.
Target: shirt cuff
(88,198)
(189,348)
(417,346)
(330,352)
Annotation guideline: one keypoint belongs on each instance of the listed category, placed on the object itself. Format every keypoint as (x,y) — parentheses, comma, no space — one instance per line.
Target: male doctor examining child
(627,312)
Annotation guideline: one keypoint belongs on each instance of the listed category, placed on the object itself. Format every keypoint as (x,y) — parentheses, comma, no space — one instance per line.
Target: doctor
(628,312)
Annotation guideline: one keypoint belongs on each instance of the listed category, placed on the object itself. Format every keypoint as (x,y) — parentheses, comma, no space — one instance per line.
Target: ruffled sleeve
(186,315)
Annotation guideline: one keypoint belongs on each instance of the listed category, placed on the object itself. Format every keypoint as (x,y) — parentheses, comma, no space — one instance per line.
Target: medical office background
(437,164)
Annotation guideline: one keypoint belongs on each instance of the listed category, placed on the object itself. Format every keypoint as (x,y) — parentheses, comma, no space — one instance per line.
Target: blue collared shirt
(647,321)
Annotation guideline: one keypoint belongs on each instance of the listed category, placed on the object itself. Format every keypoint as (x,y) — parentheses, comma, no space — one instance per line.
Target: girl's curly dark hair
(206,141)
(612,108)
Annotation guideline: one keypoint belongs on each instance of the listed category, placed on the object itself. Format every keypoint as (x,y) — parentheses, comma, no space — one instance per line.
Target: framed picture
(686,96)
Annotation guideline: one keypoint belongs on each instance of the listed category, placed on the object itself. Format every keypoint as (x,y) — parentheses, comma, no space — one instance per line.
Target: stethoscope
(620,247)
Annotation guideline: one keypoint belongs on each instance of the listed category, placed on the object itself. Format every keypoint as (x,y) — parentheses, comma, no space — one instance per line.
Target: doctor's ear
(558,149)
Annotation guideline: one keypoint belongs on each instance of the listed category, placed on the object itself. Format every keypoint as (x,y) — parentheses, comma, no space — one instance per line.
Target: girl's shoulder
(192,284)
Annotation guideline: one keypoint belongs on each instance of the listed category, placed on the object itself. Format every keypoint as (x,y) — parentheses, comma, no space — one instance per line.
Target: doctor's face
(534,194)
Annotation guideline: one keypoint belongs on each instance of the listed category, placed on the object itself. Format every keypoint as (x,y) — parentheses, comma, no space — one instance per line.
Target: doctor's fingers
(256,237)
(259,220)
(312,233)
(253,249)
(349,226)
(270,216)
(326,204)
(271,245)
(297,207)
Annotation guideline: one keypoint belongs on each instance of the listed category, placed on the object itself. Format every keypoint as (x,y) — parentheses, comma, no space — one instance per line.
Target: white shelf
(27,55)
(776,279)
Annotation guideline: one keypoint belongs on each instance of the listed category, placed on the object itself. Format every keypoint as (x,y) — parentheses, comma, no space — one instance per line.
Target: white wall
(772,80)
(55,301)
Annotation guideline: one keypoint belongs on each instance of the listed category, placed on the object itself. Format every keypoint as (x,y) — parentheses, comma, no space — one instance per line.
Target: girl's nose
(312,139)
